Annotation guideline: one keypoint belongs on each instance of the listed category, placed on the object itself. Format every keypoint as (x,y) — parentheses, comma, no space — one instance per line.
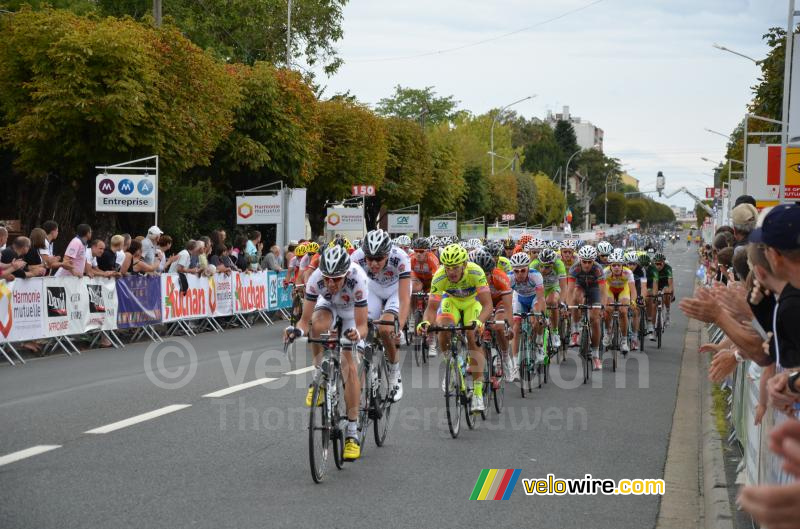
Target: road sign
(716,192)
(508,216)
(364,190)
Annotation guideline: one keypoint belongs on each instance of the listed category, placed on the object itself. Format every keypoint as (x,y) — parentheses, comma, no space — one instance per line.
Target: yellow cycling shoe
(352,450)
(310,395)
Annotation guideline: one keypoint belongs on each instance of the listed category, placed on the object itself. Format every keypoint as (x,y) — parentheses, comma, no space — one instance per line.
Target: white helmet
(587,252)
(377,243)
(631,257)
(538,244)
(554,245)
(403,240)
(520,259)
(334,262)
(604,248)
(616,257)
(568,244)
(531,246)
(474,243)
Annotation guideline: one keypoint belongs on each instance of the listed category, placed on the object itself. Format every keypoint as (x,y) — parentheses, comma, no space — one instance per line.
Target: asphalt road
(240,460)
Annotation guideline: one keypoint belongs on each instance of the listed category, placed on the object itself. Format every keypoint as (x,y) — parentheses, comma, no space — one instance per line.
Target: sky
(644,71)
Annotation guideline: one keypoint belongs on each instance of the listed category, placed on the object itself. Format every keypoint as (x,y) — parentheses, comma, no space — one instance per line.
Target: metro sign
(364,190)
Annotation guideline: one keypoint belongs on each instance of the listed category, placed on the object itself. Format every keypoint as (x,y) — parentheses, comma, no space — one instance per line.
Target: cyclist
(500,289)
(460,294)
(587,286)
(496,249)
(508,248)
(651,276)
(604,250)
(423,265)
(389,277)
(533,247)
(404,242)
(337,289)
(337,241)
(568,253)
(312,248)
(554,277)
(528,287)
(293,273)
(619,285)
(640,284)
(664,284)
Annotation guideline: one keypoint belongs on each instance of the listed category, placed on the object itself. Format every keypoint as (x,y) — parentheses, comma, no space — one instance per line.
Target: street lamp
(566,172)
(723,48)
(494,120)
(727,137)
(605,206)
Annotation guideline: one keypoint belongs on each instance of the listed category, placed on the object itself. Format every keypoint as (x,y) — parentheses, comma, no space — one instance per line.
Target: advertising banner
(403,223)
(101,312)
(132,193)
(496,233)
(443,227)
(138,301)
(279,296)
(21,310)
(258,209)
(65,304)
(764,172)
(344,219)
(516,233)
(250,292)
(189,303)
(222,292)
(470,231)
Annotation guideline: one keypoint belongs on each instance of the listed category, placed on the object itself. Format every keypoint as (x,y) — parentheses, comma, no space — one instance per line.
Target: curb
(716,505)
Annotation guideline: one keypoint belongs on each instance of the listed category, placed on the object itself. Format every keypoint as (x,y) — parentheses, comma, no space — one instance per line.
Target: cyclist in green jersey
(554,276)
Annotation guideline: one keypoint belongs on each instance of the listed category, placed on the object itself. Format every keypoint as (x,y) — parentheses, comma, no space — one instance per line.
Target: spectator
(164,246)
(149,244)
(238,253)
(745,199)
(15,255)
(107,261)
(181,264)
(253,249)
(97,249)
(41,246)
(218,237)
(780,234)
(118,247)
(273,259)
(194,261)
(50,228)
(126,241)
(75,257)
(744,218)
(3,238)
(222,260)
(134,264)
(724,262)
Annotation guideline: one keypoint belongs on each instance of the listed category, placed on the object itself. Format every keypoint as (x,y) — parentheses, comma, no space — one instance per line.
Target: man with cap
(150,244)
(743,218)
(780,234)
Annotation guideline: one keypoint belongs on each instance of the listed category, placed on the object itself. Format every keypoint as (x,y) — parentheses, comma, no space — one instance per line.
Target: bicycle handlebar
(451,328)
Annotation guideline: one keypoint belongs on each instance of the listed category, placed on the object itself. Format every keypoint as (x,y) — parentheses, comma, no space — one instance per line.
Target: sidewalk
(696,488)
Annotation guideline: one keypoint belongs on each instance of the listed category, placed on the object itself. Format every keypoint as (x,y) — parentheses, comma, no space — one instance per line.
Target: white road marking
(139,418)
(301,371)
(28,452)
(239,387)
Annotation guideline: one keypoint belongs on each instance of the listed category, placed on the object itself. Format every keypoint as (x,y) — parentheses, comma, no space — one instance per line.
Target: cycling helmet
(530,246)
(587,252)
(377,243)
(421,243)
(300,250)
(495,248)
(604,248)
(554,245)
(356,243)
(453,239)
(547,257)
(644,260)
(465,245)
(616,258)
(340,241)
(519,260)
(453,255)
(659,257)
(334,262)
(484,259)
(569,244)
(404,241)
(631,257)
(312,247)
(509,243)
(524,239)
(474,243)
(538,244)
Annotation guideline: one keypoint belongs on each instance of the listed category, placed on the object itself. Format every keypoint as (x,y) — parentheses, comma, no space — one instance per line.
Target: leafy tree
(615,208)
(354,151)
(448,185)
(596,166)
(503,194)
(420,105)
(526,198)
(476,201)
(543,153)
(701,213)
(637,209)
(550,201)
(564,134)
(408,168)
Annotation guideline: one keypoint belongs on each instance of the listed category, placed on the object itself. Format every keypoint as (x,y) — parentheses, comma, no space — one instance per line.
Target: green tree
(354,151)
(448,185)
(408,168)
(637,209)
(542,153)
(564,134)
(503,196)
(526,198)
(615,209)
(550,201)
(420,105)
(596,166)
(476,202)
(701,213)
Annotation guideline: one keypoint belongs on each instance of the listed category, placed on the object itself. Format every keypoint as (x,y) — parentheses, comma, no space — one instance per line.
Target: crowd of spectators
(752,294)
(122,254)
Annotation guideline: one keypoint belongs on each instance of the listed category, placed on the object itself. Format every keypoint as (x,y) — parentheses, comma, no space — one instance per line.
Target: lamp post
(723,48)
(605,197)
(494,120)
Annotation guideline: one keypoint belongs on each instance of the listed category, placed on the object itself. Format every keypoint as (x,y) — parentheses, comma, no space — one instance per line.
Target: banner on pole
(443,227)
(66,304)
(470,231)
(125,192)
(21,310)
(403,223)
(258,209)
(222,293)
(345,219)
(497,233)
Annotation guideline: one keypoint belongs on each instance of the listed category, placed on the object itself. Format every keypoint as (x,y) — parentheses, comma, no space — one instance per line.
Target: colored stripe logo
(495,484)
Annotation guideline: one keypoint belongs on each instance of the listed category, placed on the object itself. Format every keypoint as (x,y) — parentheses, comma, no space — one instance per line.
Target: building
(588,135)
(628,180)
(681,212)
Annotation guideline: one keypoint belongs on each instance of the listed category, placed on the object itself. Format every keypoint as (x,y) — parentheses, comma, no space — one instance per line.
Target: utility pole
(157,12)
(289,35)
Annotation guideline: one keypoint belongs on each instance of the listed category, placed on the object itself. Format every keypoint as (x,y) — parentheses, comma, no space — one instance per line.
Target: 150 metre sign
(118,192)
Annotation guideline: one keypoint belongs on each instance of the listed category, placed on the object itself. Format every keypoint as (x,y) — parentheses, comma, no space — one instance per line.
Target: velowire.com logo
(495,484)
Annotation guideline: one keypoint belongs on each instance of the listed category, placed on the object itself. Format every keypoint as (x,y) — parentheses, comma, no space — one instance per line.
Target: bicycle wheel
(487,382)
(319,437)
(417,349)
(615,339)
(425,349)
(381,402)
(452,396)
(338,421)
(586,355)
(498,387)
(564,338)
(364,402)
(659,327)
(642,327)
(522,356)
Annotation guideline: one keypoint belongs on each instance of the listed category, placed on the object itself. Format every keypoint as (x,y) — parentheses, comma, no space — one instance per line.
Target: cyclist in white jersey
(389,271)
